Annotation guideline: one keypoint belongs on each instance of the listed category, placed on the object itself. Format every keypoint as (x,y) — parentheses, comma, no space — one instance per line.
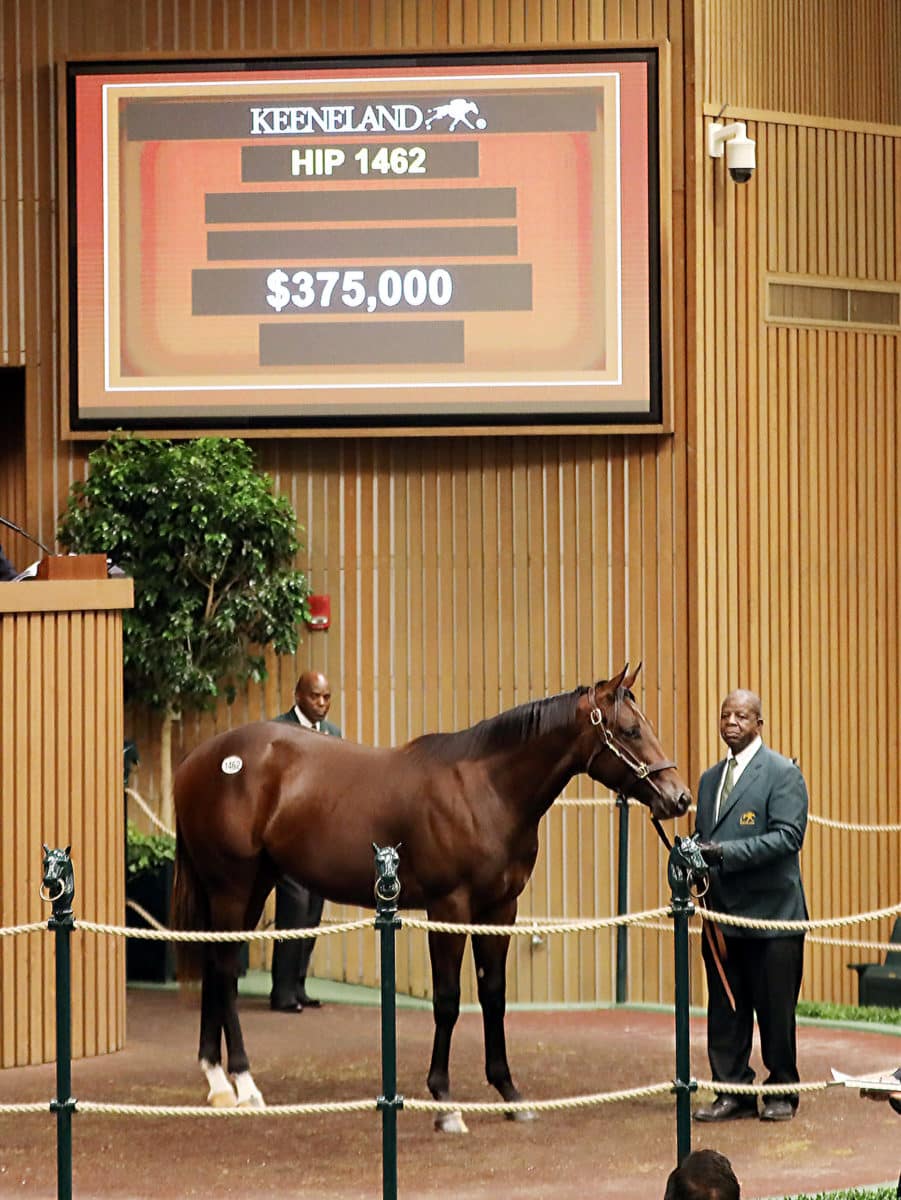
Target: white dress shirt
(308,724)
(741,761)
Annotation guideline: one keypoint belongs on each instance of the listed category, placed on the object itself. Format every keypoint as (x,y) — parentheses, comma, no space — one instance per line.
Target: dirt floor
(622,1151)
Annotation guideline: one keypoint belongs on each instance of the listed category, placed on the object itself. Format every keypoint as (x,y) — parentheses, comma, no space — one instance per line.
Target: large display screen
(429,243)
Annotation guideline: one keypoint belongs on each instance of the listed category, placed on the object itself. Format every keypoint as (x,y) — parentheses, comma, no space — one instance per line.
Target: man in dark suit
(296,907)
(752,815)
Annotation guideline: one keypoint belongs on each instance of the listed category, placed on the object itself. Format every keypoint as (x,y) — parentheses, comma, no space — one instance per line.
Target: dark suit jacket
(324,726)
(761,829)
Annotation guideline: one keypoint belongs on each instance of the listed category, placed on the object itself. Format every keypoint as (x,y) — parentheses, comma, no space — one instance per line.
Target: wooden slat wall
(831,58)
(798,499)
(465,576)
(60,746)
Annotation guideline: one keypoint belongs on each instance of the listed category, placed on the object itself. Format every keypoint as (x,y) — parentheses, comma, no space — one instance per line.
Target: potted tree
(149,864)
(212,553)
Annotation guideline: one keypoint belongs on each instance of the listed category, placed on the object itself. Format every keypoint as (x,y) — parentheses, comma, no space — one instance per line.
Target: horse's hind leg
(249,1095)
(446,952)
(219,1003)
(211,1021)
(490,954)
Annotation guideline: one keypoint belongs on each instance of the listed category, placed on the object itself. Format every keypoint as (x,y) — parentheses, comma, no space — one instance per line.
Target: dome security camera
(741,151)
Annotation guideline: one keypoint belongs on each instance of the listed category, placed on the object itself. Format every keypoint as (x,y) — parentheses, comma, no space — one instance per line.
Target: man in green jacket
(296,907)
(752,815)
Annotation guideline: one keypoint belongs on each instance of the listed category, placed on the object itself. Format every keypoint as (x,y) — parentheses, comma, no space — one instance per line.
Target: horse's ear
(612,685)
(45,847)
(67,849)
(375,847)
(398,846)
(630,679)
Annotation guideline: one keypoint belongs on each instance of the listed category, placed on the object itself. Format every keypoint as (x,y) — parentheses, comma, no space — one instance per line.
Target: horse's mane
(509,728)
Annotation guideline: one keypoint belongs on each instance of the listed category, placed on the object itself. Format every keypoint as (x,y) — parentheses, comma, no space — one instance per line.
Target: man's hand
(711,853)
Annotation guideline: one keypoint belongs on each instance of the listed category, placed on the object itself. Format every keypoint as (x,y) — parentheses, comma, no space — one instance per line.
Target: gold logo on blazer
(748,818)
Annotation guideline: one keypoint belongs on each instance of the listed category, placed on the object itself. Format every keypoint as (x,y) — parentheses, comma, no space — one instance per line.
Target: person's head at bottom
(703,1175)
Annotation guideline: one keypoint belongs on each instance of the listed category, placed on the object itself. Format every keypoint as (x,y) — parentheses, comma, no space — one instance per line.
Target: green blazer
(324,726)
(761,830)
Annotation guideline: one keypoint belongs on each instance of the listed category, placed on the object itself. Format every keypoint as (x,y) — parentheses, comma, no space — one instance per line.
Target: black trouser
(295,908)
(765,977)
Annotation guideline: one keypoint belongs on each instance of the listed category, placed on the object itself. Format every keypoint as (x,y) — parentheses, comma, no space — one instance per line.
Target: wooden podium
(61,740)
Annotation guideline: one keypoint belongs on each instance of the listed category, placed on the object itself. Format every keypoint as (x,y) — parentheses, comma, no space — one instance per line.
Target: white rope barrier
(148,812)
(412,1104)
(799,926)
(528,928)
(161,934)
(813,818)
(763,1089)
(852,827)
(15,930)
(524,928)
(847,943)
(583,802)
(203,1110)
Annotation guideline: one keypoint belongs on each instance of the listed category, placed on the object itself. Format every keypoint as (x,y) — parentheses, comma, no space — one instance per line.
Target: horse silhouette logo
(457,112)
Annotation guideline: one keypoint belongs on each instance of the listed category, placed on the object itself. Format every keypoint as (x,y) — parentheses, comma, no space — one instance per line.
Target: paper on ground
(879,1081)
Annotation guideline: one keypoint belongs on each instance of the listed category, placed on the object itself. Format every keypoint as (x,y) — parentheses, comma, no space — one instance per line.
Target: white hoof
(220,1094)
(450,1122)
(522,1114)
(249,1095)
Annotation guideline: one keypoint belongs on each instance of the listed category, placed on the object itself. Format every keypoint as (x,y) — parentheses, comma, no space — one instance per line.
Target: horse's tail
(190,910)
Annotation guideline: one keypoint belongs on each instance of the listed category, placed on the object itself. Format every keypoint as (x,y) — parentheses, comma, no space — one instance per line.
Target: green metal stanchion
(622,899)
(59,889)
(686,868)
(387,890)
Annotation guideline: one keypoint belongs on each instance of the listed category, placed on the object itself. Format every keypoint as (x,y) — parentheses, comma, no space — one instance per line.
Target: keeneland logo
(275,120)
(456,111)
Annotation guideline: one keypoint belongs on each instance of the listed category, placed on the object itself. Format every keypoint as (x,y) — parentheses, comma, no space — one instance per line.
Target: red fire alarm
(319,612)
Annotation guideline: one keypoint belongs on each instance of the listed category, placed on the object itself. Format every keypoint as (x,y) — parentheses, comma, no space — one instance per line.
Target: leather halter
(640,770)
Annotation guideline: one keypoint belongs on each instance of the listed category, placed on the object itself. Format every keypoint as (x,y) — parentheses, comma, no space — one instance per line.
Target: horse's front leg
(490,954)
(446,953)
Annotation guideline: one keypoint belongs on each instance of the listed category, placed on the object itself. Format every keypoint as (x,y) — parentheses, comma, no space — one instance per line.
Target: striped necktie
(728,785)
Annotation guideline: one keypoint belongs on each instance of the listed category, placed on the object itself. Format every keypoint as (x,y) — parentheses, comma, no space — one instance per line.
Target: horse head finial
(58,882)
(387,861)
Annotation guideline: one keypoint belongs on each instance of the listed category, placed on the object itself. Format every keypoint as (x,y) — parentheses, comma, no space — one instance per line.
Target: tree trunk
(167,807)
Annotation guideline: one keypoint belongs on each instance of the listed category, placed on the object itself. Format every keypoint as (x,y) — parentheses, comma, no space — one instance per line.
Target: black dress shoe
(777,1110)
(726,1108)
(291,1008)
(309,1002)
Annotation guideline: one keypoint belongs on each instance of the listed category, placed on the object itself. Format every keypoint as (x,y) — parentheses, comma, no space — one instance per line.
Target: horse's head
(625,754)
(58,882)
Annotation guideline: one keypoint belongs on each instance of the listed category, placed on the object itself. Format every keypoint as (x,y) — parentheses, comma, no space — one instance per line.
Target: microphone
(18,529)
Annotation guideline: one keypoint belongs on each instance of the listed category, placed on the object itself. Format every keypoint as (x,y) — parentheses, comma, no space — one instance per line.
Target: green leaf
(146,851)
(212,552)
